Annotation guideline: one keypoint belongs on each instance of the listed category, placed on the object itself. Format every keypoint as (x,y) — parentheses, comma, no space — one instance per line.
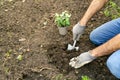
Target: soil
(27,28)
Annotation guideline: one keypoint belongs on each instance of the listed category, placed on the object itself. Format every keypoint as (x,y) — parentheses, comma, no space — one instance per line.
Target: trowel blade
(70,47)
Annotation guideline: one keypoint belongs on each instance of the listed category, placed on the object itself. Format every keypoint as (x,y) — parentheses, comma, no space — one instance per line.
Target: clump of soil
(31,75)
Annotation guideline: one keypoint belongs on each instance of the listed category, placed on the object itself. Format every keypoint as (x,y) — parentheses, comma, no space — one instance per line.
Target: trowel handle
(74,43)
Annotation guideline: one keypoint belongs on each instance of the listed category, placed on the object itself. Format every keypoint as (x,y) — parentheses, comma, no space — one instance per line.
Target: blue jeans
(101,35)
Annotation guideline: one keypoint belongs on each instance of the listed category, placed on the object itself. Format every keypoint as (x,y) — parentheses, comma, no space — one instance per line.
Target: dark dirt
(23,32)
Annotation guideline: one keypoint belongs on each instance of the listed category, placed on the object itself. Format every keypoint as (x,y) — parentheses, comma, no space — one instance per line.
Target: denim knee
(105,32)
(113,65)
(94,38)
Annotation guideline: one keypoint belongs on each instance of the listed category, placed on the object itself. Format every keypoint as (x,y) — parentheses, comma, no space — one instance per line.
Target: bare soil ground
(27,28)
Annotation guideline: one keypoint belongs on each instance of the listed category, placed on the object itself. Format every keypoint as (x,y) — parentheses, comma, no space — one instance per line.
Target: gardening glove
(81,60)
(77,30)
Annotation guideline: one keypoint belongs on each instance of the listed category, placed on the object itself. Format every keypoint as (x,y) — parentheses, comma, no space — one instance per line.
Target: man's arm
(79,28)
(95,6)
(108,47)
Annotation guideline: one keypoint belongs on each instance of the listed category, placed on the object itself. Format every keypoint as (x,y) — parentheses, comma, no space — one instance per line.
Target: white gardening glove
(81,60)
(77,30)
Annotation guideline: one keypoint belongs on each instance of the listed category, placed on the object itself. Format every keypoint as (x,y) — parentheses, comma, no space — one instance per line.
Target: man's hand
(78,30)
(81,60)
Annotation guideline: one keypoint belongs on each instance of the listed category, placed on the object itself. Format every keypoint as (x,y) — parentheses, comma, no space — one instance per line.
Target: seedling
(20,57)
(63,19)
(112,10)
(8,53)
(85,78)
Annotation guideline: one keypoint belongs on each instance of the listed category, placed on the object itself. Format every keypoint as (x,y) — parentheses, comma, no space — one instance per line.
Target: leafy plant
(63,19)
(112,10)
(7,70)
(8,53)
(20,57)
(85,78)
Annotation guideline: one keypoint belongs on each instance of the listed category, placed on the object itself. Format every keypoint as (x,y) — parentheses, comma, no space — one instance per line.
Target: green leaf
(107,13)
(63,19)
(20,57)
(67,22)
(114,5)
(85,78)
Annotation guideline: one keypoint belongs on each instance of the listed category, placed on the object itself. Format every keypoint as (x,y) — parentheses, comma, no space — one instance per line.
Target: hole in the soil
(50,55)
(59,56)
(24,76)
